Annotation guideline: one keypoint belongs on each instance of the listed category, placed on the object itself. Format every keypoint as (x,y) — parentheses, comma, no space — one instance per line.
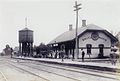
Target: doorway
(89,46)
(101,51)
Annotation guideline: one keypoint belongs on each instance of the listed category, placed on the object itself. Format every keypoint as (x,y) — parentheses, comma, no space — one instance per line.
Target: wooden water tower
(25,42)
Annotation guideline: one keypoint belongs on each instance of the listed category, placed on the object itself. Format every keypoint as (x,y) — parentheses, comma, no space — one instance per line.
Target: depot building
(94,40)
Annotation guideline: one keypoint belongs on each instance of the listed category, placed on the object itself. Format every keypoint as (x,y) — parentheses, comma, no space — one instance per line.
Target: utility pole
(77,8)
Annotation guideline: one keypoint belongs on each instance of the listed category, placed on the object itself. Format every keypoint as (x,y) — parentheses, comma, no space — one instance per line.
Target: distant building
(92,39)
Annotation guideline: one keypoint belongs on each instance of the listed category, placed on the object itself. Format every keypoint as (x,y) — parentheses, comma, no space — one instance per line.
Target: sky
(50,18)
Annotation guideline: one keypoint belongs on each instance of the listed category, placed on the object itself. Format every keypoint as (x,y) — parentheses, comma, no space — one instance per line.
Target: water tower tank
(25,35)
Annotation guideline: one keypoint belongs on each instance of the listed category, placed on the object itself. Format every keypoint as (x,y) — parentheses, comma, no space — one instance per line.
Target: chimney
(70,27)
(83,23)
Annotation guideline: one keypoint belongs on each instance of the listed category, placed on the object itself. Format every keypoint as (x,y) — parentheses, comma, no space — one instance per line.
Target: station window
(89,46)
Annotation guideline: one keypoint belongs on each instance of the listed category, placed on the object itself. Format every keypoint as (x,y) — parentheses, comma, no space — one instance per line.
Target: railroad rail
(66,69)
(73,79)
(3,76)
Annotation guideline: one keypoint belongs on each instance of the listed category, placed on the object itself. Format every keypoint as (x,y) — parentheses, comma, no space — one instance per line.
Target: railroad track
(79,71)
(87,69)
(3,77)
(73,79)
(24,70)
(65,69)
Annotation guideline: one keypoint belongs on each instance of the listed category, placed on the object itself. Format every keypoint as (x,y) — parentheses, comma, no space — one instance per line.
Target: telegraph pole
(77,8)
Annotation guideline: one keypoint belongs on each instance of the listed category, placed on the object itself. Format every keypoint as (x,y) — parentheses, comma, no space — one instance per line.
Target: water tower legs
(25,49)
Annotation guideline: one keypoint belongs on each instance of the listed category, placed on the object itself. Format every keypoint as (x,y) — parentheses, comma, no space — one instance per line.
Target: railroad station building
(92,39)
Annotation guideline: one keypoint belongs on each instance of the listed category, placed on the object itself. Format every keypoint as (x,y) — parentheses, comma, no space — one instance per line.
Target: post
(76,34)
(19,50)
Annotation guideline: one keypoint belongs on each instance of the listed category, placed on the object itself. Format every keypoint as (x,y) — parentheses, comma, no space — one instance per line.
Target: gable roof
(25,29)
(70,35)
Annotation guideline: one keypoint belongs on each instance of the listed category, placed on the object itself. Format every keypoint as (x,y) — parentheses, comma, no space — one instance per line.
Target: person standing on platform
(62,52)
(113,58)
(83,55)
(11,52)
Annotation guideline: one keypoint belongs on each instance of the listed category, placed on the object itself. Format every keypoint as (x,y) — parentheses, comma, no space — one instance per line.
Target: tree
(118,37)
(8,50)
(42,50)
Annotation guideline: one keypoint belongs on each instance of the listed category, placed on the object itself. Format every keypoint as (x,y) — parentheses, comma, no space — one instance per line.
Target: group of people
(113,57)
(62,53)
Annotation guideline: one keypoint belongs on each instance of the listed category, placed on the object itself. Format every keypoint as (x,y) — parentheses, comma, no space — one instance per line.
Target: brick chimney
(83,23)
(70,27)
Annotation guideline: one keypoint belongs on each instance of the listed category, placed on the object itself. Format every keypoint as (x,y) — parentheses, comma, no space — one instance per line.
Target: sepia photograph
(59,40)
